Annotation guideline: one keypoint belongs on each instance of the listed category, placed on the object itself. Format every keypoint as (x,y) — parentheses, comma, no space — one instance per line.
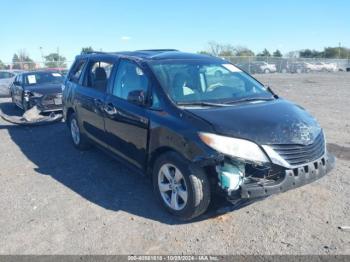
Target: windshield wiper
(199,104)
(248,99)
(271,91)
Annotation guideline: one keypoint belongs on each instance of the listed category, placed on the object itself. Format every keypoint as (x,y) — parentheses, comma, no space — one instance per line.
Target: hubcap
(172,187)
(74,129)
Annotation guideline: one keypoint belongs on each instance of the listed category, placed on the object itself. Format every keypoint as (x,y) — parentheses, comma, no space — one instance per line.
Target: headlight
(235,147)
(35,94)
(26,95)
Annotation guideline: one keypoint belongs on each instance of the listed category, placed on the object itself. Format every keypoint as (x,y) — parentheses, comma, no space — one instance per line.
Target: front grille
(296,154)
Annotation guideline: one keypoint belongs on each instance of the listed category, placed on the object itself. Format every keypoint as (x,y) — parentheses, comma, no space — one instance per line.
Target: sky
(43,26)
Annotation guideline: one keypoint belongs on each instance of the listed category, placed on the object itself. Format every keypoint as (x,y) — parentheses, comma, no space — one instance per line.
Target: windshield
(37,78)
(194,81)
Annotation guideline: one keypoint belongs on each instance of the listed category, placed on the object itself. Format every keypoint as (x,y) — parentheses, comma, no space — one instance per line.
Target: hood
(269,122)
(45,89)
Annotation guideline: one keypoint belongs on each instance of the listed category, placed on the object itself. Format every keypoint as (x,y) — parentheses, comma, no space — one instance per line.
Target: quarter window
(155,101)
(129,78)
(76,72)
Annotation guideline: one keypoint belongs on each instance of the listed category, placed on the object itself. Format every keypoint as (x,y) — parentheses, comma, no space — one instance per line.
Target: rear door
(126,122)
(91,95)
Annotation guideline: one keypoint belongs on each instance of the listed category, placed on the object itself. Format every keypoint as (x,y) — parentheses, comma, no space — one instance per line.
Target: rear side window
(97,76)
(75,74)
(129,78)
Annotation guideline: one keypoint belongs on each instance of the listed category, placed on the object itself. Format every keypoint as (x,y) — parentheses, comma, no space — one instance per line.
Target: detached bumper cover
(293,178)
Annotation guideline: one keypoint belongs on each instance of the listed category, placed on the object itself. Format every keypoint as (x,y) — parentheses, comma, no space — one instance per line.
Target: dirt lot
(56,200)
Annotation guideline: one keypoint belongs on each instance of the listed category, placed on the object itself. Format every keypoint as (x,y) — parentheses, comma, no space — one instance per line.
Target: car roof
(153,54)
(38,71)
(12,70)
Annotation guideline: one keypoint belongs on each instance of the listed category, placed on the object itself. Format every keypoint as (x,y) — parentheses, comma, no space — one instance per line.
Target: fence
(256,64)
(34,65)
(253,65)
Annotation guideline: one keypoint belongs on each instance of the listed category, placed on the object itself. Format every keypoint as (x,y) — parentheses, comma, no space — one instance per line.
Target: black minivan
(197,133)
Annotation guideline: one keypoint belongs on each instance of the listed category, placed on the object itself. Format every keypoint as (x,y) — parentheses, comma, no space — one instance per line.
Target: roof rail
(157,50)
(93,52)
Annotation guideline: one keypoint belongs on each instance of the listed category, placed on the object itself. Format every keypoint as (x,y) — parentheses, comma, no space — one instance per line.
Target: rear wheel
(79,140)
(267,71)
(181,192)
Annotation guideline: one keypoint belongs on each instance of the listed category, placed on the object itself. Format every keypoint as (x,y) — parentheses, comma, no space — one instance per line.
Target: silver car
(6,79)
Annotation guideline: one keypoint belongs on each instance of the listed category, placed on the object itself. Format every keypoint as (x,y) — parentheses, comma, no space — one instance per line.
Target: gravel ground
(56,200)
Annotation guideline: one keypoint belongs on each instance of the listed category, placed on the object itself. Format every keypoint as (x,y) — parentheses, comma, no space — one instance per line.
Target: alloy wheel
(75,132)
(172,187)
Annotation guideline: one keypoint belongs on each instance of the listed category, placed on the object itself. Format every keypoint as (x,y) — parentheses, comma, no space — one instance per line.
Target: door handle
(110,109)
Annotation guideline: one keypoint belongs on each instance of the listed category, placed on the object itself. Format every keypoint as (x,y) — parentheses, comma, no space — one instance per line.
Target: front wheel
(181,192)
(13,99)
(25,106)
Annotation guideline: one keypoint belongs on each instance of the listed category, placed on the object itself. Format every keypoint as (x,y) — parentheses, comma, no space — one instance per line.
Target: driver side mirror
(137,97)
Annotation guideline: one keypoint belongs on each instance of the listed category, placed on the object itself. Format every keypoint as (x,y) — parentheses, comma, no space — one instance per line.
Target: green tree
(87,49)
(264,53)
(226,52)
(308,53)
(55,60)
(22,61)
(15,62)
(336,52)
(243,51)
(203,53)
(277,53)
(2,65)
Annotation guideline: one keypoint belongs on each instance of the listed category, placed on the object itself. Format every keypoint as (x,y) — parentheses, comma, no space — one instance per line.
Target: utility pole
(58,58)
(42,55)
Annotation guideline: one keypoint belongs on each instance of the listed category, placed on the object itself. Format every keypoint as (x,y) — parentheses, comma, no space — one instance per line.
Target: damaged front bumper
(47,103)
(260,187)
(293,178)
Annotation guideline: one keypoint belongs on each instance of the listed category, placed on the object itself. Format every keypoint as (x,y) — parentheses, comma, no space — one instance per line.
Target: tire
(13,99)
(267,71)
(195,184)
(79,140)
(25,106)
